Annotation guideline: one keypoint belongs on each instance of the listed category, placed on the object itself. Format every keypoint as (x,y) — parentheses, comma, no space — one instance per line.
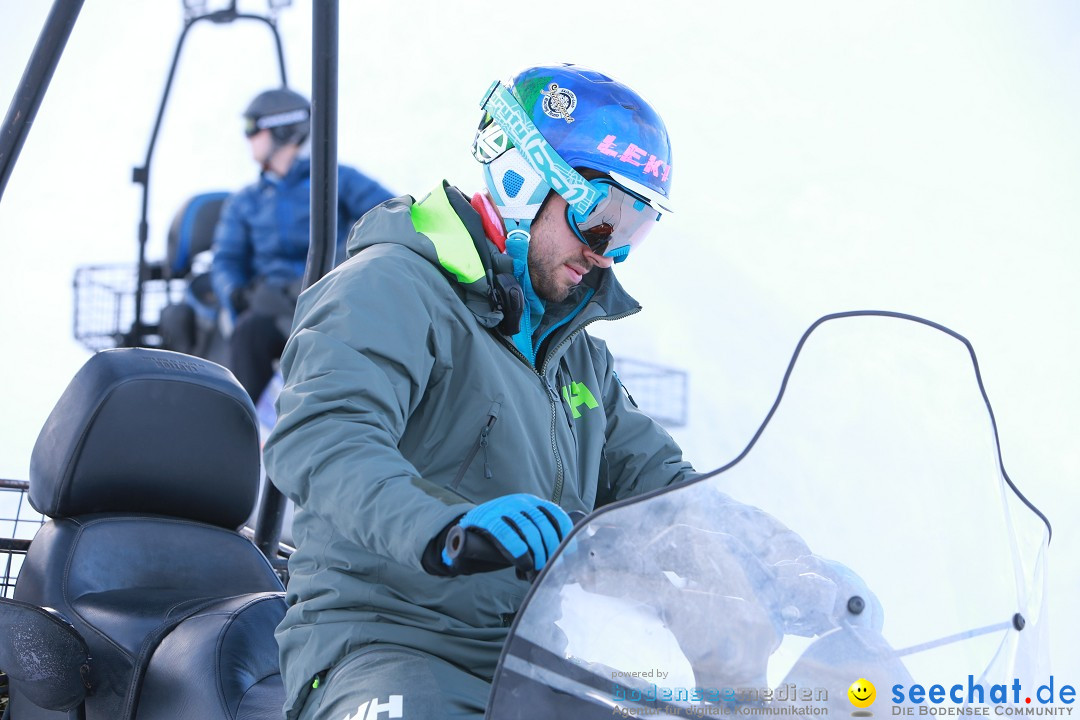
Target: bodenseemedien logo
(862,694)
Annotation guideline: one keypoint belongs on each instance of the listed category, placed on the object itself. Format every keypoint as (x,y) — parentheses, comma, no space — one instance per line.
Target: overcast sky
(912,156)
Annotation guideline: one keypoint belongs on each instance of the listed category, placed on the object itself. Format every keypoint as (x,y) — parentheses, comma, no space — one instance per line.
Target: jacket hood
(444,230)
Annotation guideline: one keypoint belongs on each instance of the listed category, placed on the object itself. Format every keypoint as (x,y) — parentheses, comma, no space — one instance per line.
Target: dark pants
(256,342)
(382,682)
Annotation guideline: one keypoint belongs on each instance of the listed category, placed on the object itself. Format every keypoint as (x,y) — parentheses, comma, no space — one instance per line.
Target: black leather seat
(191,326)
(192,230)
(146,468)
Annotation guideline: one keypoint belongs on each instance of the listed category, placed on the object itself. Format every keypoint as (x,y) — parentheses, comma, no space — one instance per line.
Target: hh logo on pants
(373,709)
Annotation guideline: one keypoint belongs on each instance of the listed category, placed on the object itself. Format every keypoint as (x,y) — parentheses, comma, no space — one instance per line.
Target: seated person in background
(261,241)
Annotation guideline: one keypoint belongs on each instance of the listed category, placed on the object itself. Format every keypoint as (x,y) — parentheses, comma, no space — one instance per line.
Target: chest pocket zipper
(564,399)
(480,444)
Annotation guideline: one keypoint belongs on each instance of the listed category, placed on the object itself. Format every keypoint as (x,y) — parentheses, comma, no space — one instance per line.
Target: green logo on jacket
(576,395)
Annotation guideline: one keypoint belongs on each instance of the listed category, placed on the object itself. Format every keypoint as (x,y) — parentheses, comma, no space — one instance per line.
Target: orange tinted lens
(597,237)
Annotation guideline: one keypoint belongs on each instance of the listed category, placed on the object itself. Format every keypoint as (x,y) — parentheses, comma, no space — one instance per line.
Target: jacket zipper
(553,395)
(481,443)
(553,401)
(556,495)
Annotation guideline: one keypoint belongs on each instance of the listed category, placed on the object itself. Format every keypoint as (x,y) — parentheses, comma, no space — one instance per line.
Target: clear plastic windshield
(867,556)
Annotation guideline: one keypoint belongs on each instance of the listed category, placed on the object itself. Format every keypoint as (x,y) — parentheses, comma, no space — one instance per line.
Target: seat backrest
(192,230)
(146,467)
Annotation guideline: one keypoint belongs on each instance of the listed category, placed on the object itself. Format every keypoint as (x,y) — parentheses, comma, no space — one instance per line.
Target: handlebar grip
(462,545)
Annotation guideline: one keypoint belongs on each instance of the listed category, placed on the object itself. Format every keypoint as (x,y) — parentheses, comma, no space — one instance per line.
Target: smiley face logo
(862,693)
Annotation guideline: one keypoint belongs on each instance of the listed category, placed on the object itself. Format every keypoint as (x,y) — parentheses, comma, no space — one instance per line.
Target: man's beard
(546,281)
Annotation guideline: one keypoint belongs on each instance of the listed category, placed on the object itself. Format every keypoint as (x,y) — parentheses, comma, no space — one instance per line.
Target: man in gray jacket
(443,376)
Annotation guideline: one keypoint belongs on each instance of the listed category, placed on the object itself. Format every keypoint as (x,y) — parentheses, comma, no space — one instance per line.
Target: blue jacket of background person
(263,233)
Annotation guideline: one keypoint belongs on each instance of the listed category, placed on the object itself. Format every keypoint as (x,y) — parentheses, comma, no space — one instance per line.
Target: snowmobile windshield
(867,555)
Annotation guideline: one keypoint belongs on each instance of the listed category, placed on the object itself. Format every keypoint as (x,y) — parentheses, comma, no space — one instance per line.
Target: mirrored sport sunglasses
(617,222)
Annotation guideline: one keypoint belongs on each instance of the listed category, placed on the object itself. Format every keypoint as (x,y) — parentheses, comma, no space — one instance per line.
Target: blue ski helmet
(560,118)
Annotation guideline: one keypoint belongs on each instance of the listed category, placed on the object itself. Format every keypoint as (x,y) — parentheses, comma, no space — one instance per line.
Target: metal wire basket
(105,305)
(18,524)
(659,391)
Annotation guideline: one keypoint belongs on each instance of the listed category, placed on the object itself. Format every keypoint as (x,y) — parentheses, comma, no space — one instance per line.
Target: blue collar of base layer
(517,247)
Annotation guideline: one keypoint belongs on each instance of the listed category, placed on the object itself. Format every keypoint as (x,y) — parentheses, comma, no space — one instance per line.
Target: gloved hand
(525,529)
(238,301)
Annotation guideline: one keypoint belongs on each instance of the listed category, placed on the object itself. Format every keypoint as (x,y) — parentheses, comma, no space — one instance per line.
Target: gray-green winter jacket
(403,407)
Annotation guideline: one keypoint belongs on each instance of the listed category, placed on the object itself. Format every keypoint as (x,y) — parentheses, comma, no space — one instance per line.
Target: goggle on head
(612,214)
(252,125)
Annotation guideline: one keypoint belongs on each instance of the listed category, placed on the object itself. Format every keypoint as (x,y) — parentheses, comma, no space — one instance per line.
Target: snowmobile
(139,599)
(726,595)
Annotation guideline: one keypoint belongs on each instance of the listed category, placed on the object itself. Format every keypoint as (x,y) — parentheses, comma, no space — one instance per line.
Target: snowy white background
(912,156)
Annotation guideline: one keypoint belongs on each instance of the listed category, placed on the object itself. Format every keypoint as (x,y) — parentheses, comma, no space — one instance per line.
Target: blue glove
(525,529)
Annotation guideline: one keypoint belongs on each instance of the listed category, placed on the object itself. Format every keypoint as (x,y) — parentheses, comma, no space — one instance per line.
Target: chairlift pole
(324,162)
(324,192)
(141,174)
(34,82)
